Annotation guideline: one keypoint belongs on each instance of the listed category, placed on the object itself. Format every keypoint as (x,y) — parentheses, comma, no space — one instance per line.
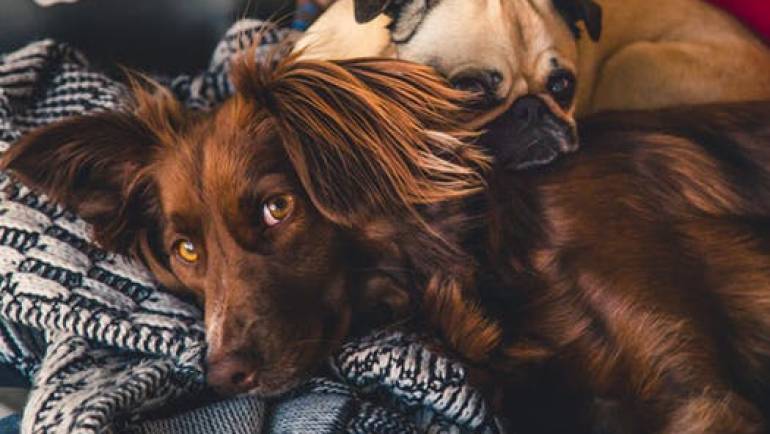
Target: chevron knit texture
(106,348)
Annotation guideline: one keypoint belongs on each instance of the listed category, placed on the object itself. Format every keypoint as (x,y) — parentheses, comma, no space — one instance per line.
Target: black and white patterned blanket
(108,351)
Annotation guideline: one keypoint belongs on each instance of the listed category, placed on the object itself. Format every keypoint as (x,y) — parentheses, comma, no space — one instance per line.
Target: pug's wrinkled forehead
(477,42)
(520,56)
(503,49)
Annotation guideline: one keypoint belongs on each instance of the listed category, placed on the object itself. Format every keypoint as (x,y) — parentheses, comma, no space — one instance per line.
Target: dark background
(162,36)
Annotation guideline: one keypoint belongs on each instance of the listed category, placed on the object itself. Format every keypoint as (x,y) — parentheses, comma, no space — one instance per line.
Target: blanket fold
(108,350)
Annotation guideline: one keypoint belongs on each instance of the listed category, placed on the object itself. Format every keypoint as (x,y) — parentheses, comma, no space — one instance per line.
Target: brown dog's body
(639,269)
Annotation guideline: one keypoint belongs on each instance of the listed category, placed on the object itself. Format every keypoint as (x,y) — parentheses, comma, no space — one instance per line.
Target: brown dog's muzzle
(236,359)
(264,344)
(265,358)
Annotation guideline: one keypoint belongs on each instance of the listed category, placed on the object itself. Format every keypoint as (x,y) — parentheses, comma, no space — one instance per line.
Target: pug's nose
(233,374)
(483,83)
(529,110)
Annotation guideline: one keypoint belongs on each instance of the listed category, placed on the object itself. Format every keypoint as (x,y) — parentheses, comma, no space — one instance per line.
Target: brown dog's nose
(233,374)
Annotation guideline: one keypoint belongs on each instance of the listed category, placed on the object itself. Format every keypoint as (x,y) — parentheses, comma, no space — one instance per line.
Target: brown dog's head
(519,55)
(258,208)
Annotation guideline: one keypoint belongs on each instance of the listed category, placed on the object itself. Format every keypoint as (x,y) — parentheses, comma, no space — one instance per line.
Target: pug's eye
(187,251)
(277,208)
(561,85)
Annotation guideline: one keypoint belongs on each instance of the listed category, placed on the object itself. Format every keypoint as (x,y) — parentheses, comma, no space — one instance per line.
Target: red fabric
(755,13)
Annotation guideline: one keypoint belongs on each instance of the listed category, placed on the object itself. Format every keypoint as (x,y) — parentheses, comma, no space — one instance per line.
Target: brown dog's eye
(186,250)
(277,208)
(561,85)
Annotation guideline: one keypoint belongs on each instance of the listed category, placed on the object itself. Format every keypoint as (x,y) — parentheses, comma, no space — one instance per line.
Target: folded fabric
(107,350)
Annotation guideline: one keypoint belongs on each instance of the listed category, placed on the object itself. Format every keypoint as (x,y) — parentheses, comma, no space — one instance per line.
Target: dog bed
(109,351)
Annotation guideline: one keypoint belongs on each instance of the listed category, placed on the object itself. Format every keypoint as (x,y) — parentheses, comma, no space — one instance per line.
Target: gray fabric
(241,415)
(329,407)
(107,348)
(311,413)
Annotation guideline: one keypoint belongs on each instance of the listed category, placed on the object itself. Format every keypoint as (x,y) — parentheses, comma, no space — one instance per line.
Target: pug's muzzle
(529,135)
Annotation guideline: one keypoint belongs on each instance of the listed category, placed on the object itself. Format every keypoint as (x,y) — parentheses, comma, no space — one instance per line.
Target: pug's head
(519,56)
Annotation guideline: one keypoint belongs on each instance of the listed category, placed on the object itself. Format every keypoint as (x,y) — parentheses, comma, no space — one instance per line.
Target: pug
(540,64)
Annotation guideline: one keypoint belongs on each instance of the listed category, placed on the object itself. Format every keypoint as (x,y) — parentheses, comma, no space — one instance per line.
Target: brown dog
(273,208)
(556,60)
(637,272)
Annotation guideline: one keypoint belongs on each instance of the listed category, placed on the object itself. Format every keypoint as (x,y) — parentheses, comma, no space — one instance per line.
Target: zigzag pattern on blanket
(406,368)
(104,344)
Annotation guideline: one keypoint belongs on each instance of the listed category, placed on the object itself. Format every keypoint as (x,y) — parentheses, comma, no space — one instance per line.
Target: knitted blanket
(109,351)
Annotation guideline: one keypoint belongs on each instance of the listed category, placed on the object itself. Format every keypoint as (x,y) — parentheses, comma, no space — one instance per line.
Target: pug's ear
(367,10)
(591,14)
(587,11)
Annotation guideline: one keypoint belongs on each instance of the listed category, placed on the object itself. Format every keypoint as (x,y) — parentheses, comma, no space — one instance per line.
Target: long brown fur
(632,280)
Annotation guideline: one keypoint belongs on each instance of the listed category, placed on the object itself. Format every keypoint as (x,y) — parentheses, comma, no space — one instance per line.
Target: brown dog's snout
(233,373)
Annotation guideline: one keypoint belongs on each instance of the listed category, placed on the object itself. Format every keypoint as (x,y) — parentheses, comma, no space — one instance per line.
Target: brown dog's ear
(587,11)
(93,164)
(368,137)
(367,10)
